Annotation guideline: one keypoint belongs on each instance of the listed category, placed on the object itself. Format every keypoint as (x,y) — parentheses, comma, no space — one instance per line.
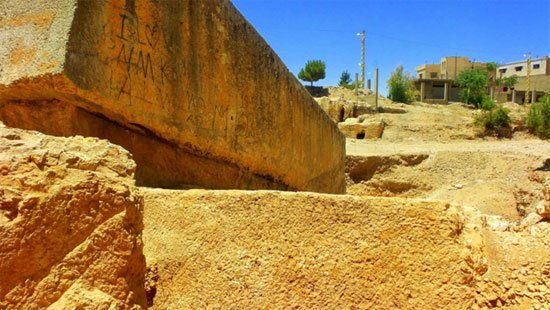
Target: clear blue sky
(398,32)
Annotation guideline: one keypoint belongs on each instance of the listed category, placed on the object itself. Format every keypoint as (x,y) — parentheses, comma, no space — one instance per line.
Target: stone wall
(194,75)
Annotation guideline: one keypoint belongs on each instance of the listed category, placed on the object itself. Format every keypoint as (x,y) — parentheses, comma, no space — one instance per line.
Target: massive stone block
(192,76)
(277,250)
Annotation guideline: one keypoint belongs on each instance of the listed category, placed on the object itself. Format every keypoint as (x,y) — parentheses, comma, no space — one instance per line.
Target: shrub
(487,104)
(496,121)
(352,85)
(538,119)
(400,86)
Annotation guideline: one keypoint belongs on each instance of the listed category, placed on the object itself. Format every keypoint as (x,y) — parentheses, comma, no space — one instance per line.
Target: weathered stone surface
(368,129)
(70,224)
(193,75)
(256,250)
(363,168)
(391,110)
(159,163)
(530,219)
(374,129)
(352,129)
(337,110)
(341,103)
(544,209)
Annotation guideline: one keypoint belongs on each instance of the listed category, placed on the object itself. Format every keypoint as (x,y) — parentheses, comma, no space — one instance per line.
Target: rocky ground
(434,152)
(427,156)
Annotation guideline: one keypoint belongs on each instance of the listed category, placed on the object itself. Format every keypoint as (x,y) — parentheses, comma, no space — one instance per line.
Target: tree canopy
(474,83)
(400,86)
(491,66)
(313,71)
(509,81)
(345,79)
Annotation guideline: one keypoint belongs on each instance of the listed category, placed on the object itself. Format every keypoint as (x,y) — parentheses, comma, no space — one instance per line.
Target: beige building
(429,71)
(452,66)
(435,82)
(539,80)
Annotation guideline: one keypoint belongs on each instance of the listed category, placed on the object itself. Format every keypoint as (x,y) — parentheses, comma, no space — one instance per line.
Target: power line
(385,36)
(441,46)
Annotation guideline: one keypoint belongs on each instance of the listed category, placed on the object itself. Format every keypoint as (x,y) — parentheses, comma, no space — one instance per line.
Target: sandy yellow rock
(193,77)
(264,249)
(70,224)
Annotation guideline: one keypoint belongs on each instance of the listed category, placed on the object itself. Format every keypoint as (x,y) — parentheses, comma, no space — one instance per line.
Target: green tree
(474,83)
(508,82)
(313,71)
(491,74)
(345,79)
(491,66)
(400,86)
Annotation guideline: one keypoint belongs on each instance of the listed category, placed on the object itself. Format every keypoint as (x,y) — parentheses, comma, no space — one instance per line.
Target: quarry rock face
(188,87)
(70,224)
(256,250)
(366,129)
(338,111)
(543,207)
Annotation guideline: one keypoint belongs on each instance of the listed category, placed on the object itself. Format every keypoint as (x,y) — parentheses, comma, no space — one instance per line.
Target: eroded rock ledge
(70,224)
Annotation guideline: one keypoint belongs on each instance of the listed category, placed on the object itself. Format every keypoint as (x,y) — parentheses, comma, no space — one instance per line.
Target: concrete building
(429,71)
(435,82)
(539,80)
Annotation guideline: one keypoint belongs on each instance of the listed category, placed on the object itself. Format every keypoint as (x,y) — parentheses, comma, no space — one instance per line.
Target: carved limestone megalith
(188,87)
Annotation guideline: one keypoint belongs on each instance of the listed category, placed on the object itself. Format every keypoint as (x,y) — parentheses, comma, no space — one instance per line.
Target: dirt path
(534,147)
(434,153)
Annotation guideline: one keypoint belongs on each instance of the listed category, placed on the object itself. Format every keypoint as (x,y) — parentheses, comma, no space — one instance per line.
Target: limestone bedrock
(192,75)
(71,222)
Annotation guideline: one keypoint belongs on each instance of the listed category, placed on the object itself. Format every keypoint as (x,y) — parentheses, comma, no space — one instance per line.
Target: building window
(519,68)
(433,75)
(503,70)
(536,66)
(420,76)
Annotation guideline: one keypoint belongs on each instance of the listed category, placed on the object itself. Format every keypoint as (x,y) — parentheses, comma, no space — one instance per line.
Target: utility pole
(376,88)
(528,90)
(362,58)
(356,84)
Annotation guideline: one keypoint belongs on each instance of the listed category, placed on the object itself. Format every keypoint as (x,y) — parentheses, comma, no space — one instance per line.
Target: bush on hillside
(487,104)
(538,119)
(400,86)
(496,122)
